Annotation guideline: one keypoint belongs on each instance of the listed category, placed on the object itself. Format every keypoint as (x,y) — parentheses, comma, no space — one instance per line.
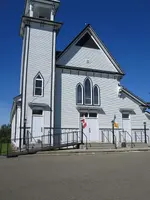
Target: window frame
(93,117)
(125,118)
(87,114)
(98,89)
(35,87)
(39,10)
(91,91)
(36,110)
(79,84)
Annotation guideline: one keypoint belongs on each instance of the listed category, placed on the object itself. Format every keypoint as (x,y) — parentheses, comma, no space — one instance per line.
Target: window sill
(88,107)
(38,95)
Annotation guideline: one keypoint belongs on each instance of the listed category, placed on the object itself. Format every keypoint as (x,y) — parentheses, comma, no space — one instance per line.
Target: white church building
(59,88)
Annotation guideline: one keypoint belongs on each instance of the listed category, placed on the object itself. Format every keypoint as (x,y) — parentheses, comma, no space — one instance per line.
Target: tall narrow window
(96,95)
(38,85)
(79,94)
(88,92)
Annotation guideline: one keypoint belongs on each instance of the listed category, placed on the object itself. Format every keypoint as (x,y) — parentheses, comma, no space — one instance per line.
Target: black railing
(125,137)
(55,139)
(108,135)
(86,140)
(140,135)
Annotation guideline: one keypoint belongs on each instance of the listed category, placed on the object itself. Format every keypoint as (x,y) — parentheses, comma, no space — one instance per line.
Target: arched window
(96,95)
(38,85)
(79,94)
(88,92)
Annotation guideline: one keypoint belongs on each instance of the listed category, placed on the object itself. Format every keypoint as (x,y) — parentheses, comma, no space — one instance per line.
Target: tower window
(38,85)
(43,13)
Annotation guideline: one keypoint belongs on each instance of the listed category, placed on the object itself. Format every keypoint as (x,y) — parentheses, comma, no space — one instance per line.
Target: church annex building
(59,89)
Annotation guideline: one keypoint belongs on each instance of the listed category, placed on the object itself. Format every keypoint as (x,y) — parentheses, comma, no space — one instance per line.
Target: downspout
(25,99)
(16,120)
(22,77)
(27,39)
(52,71)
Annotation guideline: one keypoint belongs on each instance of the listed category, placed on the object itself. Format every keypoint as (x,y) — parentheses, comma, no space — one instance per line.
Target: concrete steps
(98,146)
(139,145)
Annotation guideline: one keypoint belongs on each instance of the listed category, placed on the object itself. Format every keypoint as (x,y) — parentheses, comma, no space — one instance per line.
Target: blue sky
(122,25)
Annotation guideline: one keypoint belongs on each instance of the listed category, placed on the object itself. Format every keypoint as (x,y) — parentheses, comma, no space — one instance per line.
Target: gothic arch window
(79,94)
(87,91)
(38,85)
(96,95)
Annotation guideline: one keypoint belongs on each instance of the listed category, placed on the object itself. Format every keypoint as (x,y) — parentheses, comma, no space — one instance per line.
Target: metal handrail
(139,129)
(66,139)
(27,145)
(61,128)
(147,137)
(138,136)
(130,137)
(31,136)
(122,136)
(86,138)
(115,141)
(106,137)
(61,134)
(110,129)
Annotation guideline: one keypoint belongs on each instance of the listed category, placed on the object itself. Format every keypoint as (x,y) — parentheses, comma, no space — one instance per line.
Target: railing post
(113,131)
(135,136)
(28,140)
(145,133)
(24,132)
(81,133)
(67,140)
(42,142)
(51,137)
(73,137)
(102,134)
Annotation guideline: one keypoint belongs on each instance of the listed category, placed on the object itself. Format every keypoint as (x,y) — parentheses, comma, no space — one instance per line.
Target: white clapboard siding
(67,114)
(39,60)
(87,58)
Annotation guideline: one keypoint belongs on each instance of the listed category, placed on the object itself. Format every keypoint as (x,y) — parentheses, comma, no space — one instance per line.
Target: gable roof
(148,104)
(100,43)
(133,96)
(147,112)
(57,53)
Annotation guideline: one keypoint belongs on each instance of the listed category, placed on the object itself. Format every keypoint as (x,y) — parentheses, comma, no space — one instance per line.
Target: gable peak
(87,41)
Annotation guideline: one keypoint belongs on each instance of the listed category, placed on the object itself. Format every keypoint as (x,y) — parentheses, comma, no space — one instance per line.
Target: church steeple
(42,9)
(39,31)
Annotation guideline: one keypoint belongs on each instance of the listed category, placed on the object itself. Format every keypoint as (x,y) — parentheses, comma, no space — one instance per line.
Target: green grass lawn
(3,148)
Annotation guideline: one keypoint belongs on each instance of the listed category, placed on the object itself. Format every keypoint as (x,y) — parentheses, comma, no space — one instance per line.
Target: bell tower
(37,82)
(42,9)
